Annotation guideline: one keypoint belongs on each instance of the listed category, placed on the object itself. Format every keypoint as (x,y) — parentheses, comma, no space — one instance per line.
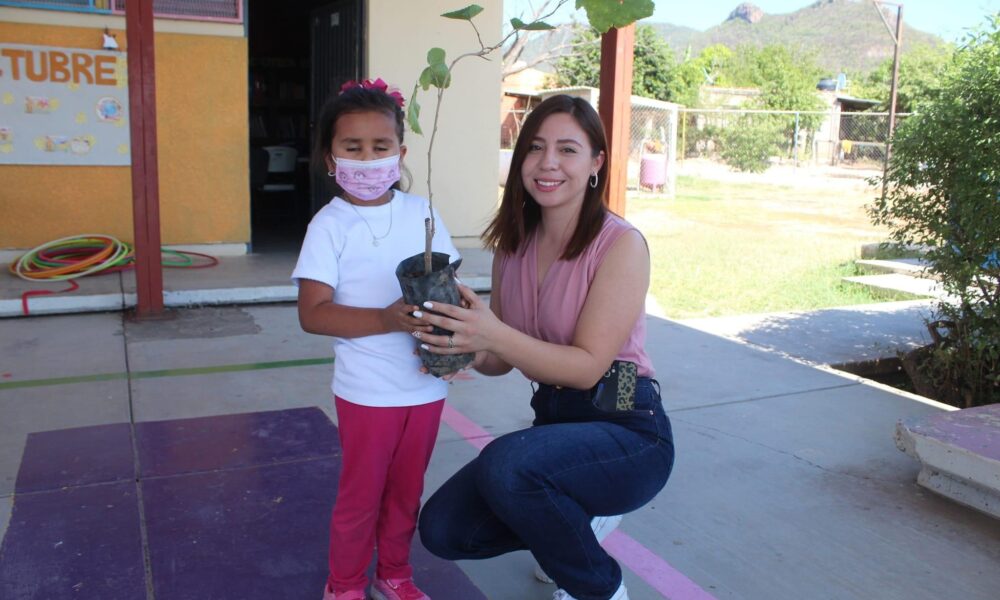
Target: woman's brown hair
(519,214)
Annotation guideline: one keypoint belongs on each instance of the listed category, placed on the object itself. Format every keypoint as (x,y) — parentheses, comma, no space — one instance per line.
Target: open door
(336,42)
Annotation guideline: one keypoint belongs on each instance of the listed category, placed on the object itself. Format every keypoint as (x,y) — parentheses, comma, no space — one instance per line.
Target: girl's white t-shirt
(374,370)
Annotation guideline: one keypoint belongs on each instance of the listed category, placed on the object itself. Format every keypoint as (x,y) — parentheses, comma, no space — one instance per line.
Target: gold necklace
(376,238)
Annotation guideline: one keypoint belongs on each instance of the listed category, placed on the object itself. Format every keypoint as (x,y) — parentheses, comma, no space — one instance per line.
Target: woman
(569,286)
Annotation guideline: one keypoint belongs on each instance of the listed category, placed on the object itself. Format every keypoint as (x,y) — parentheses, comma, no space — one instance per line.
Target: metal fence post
(684,132)
(795,141)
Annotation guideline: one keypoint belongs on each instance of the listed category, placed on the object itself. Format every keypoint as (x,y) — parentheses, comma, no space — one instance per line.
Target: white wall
(465,168)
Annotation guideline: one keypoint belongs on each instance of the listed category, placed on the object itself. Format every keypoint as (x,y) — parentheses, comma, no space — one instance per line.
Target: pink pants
(385,455)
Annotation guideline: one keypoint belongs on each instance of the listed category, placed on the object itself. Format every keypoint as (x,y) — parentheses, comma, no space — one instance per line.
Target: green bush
(942,190)
(749,144)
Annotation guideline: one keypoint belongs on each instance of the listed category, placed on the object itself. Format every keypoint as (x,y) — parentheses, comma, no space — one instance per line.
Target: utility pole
(897,39)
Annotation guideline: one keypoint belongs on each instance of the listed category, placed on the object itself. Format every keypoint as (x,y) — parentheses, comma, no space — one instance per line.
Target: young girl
(387,410)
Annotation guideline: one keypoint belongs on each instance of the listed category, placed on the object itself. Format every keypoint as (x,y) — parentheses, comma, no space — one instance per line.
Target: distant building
(710,96)
(846,134)
(520,95)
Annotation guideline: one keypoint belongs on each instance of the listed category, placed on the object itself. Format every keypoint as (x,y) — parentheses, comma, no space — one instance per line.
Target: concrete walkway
(787,484)
(830,336)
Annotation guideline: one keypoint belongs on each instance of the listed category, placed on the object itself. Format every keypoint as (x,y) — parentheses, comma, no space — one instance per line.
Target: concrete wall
(465,167)
(202,132)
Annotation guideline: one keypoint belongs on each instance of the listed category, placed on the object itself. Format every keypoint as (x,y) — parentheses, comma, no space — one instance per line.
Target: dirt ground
(804,176)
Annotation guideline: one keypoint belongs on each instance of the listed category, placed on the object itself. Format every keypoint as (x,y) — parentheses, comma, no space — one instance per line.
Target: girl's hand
(474,327)
(398,317)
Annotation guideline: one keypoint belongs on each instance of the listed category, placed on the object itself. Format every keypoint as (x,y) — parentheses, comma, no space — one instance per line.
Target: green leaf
(440,76)
(520,25)
(435,55)
(464,14)
(605,14)
(425,78)
(413,112)
(436,73)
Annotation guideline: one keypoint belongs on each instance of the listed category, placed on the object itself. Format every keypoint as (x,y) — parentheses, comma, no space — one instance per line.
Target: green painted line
(279,364)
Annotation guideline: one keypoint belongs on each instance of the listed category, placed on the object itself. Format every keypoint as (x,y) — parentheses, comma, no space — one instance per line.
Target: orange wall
(201,103)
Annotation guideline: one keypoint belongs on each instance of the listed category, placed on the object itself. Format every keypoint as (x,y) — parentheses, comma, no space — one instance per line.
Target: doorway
(298,53)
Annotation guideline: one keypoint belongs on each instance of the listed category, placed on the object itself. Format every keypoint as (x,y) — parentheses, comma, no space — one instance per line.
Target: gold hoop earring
(593,180)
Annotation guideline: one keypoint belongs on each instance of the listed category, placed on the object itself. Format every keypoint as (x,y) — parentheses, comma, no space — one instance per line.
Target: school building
(238,86)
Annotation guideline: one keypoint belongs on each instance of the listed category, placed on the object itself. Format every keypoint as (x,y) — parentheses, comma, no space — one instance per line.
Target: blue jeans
(537,489)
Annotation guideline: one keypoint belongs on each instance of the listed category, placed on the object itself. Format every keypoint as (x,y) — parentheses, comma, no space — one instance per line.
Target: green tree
(708,68)
(652,63)
(920,71)
(787,82)
(942,190)
(786,79)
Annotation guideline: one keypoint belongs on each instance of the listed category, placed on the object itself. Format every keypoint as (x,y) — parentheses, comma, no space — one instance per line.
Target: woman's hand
(398,317)
(474,365)
(475,326)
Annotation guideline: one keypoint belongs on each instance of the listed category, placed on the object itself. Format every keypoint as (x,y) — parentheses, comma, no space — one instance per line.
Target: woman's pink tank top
(550,311)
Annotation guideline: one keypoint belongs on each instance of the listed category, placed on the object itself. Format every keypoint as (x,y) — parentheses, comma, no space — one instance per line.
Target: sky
(948,19)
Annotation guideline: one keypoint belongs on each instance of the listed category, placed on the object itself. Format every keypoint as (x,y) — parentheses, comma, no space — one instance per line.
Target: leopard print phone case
(616,390)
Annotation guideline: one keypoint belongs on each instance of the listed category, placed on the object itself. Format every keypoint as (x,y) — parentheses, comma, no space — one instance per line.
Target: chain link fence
(754,140)
(663,135)
(652,155)
(652,159)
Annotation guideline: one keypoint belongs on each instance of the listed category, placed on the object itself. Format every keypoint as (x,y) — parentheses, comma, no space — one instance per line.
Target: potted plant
(429,275)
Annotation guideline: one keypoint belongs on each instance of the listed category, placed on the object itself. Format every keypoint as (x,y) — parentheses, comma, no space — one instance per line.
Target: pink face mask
(367,179)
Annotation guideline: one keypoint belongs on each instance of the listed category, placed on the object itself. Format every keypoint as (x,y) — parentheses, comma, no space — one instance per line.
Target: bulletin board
(63,106)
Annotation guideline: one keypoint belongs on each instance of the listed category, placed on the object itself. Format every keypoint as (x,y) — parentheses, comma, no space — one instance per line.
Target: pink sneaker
(329,594)
(397,589)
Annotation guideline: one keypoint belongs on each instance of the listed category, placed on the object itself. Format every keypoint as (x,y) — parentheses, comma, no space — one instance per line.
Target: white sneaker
(602,526)
(541,576)
(620,594)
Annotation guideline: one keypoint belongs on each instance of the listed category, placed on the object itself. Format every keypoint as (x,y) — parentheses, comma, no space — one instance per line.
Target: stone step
(872,250)
(897,282)
(959,452)
(906,266)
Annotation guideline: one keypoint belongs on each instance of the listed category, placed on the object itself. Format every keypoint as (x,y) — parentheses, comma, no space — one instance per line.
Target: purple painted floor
(232,507)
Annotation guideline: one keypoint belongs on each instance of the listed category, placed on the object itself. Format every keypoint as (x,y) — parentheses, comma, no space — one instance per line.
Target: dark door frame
(336,45)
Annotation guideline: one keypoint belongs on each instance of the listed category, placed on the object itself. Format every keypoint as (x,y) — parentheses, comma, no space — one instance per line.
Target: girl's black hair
(353,100)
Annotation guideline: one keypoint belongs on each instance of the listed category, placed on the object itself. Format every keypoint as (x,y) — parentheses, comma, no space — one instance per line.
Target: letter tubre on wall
(63,106)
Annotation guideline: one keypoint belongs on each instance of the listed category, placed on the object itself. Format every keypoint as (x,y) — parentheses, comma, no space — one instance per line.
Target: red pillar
(145,180)
(615,108)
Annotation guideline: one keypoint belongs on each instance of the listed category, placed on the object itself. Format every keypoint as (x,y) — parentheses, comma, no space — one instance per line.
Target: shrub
(942,190)
(749,144)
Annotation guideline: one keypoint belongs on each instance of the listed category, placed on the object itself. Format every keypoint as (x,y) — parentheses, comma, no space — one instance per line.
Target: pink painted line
(652,569)
(655,571)
(465,427)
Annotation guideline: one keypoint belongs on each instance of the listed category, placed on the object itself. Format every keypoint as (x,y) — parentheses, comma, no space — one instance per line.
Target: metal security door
(336,39)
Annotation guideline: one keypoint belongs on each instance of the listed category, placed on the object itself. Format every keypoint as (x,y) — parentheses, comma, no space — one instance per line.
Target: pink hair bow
(379,85)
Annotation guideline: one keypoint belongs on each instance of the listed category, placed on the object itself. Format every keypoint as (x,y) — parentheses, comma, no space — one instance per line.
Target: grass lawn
(725,248)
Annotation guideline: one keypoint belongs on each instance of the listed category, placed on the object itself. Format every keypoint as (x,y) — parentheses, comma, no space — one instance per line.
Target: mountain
(842,35)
